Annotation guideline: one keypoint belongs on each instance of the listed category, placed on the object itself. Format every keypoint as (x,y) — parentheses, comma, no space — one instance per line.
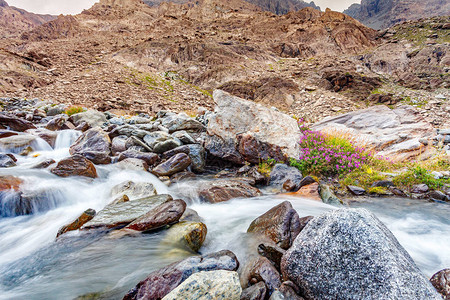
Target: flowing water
(35,266)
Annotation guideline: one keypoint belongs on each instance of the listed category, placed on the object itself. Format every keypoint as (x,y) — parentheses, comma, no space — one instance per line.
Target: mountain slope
(381,14)
(14,21)
(279,7)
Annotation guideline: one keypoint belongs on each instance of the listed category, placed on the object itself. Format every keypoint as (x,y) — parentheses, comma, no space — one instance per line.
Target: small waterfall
(40,145)
(66,138)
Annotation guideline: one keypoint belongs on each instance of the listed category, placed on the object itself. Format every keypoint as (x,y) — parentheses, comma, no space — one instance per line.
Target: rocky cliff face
(380,14)
(14,21)
(279,7)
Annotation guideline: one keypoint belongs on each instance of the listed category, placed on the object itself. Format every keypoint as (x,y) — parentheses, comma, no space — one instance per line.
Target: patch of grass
(265,167)
(418,175)
(73,110)
(378,190)
(363,177)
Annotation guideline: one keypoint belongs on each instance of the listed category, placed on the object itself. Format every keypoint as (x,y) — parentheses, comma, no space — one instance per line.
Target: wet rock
(15,123)
(327,195)
(441,282)
(223,190)
(6,161)
(8,182)
(26,151)
(122,214)
(420,189)
(261,269)
(149,158)
(160,283)
(255,292)
(56,123)
(287,290)
(93,144)
(181,122)
(184,137)
(175,164)
(132,164)
(196,153)
(272,252)
(156,137)
(7,133)
(280,224)
(208,286)
(438,196)
(356,190)
(17,143)
(242,130)
(185,175)
(282,173)
(93,118)
(76,165)
(134,190)
(398,192)
(186,235)
(45,134)
(190,215)
(167,145)
(309,191)
(119,144)
(80,221)
(304,221)
(165,214)
(347,247)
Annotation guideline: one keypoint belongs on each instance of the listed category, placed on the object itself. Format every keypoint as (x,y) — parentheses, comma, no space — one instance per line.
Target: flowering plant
(328,154)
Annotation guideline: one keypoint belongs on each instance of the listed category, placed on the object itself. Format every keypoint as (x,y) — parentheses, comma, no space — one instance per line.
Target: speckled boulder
(212,285)
(350,254)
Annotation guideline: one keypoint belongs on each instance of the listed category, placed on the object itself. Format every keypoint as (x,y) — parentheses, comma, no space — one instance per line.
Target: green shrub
(73,110)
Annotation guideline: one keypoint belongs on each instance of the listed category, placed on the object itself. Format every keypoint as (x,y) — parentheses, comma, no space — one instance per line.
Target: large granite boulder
(160,283)
(224,189)
(209,285)
(281,224)
(350,254)
(394,133)
(121,214)
(93,144)
(242,130)
(76,165)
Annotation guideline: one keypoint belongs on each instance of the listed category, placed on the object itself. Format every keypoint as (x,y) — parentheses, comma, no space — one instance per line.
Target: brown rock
(441,281)
(261,269)
(281,224)
(76,165)
(9,182)
(309,191)
(56,123)
(162,215)
(272,252)
(175,164)
(149,158)
(224,190)
(80,221)
(94,144)
(255,292)
(15,123)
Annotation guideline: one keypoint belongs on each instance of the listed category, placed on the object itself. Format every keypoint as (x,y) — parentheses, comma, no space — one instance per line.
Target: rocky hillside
(279,7)
(381,14)
(14,21)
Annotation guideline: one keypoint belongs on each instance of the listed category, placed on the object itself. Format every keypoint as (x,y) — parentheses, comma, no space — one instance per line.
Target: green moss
(73,110)
(378,190)
(419,175)
(363,177)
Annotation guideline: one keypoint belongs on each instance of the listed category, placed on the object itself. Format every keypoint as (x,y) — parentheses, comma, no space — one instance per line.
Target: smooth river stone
(124,213)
